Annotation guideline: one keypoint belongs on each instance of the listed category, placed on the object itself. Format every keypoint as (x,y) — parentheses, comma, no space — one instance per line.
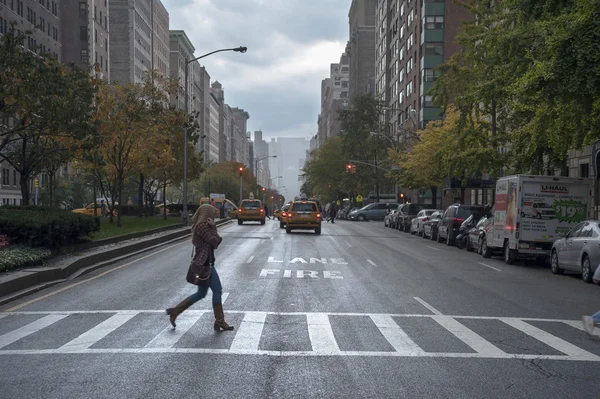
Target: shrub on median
(48,227)
(19,256)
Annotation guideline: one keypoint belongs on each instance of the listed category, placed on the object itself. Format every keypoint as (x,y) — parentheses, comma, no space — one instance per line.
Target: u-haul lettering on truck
(549,188)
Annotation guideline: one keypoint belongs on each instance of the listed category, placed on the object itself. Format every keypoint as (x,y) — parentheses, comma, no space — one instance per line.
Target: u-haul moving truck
(531,212)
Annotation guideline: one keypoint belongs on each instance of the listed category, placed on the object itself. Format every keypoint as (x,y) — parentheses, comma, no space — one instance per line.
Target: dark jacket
(205,239)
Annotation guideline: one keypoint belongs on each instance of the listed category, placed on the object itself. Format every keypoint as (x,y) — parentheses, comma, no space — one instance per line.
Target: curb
(29,281)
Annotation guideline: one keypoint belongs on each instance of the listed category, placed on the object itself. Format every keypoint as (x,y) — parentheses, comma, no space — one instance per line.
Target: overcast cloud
(291,44)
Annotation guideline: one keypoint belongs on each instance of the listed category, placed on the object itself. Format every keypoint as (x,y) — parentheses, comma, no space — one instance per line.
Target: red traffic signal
(264,189)
(349,168)
(241,169)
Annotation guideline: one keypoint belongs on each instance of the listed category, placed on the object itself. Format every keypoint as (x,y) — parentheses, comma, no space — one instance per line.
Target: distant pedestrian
(102,208)
(589,322)
(205,239)
(332,212)
(213,202)
(266,208)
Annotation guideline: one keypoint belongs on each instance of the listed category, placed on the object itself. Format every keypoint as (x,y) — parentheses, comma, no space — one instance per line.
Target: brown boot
(220,318)
(177,310)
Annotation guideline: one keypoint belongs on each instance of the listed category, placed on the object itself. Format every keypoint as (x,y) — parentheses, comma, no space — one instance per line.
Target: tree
(224,178)
(325,174)
(45,110)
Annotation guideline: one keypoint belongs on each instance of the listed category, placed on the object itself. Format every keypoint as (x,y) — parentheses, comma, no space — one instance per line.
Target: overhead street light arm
(240,49)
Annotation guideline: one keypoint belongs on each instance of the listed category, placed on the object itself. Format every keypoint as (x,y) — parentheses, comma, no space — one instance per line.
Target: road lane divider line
(435,249)
(428,306)
(169,336)
(396,336)
(247,337)
(30,328)
(250,259)
(551,340)
(371,262)
(58,291)
(321,335)
(491,267)
(469,337)
(90,337)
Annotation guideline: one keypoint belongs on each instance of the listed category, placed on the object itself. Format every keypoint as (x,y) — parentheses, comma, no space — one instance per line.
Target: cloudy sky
(290,46)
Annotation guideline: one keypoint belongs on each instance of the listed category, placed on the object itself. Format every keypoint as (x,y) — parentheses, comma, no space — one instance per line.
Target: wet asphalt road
(359,311)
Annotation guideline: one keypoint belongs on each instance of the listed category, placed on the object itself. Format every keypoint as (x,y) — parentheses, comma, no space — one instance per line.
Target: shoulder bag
(199,274)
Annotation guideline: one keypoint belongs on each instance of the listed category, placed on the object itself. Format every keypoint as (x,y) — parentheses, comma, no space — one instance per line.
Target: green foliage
(224,178)
(20,256)
(48,227)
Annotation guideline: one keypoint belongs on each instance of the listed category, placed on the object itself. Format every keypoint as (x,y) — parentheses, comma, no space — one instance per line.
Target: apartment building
(240,138)
(412,38)
(334,96)
(225,122)
(84,33)
(261,168)
(361,46)
(181,50)
(139,39)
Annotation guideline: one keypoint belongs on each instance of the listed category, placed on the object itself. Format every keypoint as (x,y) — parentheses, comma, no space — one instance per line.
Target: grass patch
(19,256)
(131,224)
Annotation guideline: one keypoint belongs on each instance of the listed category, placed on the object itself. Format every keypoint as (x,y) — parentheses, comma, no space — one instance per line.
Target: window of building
(426,101)
(100,18)
(82,9)
(429,75)
(410,41)
(85,56)
(14,178)
(409,88)
(402,8)
(409,65)
(411,16)
(20,7)
(345,83)
(401,75)
(3,26)
(433,49)
(83,33)
(5,177)
(433,22)
(105,22)
(95,35)
(401,53)
(95,13)
(584,170)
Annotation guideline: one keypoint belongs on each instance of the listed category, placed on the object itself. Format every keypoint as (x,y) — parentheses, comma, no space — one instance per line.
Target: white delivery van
(531,212)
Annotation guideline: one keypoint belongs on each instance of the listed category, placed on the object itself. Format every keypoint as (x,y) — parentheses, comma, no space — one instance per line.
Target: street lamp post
(256,161)
(241,49)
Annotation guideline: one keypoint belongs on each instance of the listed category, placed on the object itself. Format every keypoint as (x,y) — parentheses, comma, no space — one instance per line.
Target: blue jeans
(596,317)
(215,287)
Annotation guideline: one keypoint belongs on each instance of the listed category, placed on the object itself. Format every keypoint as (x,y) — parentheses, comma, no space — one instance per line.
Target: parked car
(406,214)
(578,251)
(430,226)
(416,226)
(475,235)
(462,238)
(374,211)
(453,217)
(387,221)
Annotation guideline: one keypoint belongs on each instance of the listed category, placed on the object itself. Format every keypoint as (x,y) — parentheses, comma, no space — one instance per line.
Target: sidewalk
(18,283)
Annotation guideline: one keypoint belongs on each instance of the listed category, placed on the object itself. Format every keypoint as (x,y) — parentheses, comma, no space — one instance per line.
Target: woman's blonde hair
(202,214)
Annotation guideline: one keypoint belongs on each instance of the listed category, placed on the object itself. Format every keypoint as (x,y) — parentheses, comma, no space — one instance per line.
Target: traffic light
(264,189)
(36,183)
(241,169)
(349,168)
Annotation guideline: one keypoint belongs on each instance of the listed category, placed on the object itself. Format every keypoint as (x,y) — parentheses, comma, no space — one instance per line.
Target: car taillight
(283,214)
(457,220)
(425,219)
(318,216)
(262,210)
(240,210)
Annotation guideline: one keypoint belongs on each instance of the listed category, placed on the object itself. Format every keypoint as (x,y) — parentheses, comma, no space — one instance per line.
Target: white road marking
(435,249)
(428,306)
(321,334)
(94,335)
(348,244)
(247,338)
(30,328)
(553,341)
(396,336)
(371,262)
(469,337)
(491,267)
(169,336)
(250,259)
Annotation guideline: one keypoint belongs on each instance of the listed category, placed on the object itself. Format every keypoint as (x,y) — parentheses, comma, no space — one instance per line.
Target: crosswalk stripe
(396,336)
(247,338)
(29,329)
(94,335)
(551,340)
(169,336)
(469,337)
(321,334)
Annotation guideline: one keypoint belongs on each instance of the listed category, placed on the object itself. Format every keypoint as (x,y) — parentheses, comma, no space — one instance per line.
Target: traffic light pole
(396,188)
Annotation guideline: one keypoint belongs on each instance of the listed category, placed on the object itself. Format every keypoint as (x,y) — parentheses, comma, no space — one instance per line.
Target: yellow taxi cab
(277,214)
(251,210)
(303,215)
(89,210)
(283,216)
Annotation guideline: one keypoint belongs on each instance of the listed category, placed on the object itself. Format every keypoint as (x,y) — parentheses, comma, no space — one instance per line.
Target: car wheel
(554,266)
(318,230)
(288,230)
(469,246)
(360,218)
(411,231)
(509,254)
(262,221)
(240,222)
(486,252)
(586,269)
(281,225)
(448,239)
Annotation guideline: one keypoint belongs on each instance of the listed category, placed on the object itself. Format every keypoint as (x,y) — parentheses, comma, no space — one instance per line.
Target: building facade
(134,44)
(260,165)
(412,38)
(181,50)
(291,156)
(239,140)
(361,46)
(84,32)
(334,96)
